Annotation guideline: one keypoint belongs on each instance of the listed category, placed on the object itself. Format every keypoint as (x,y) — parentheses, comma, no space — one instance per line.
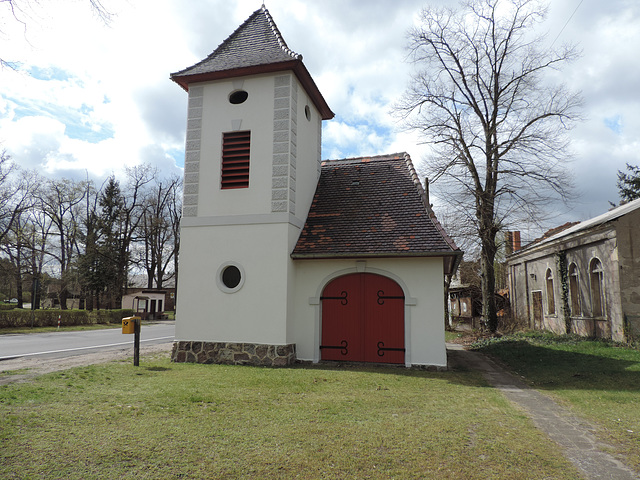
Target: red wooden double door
(363,319)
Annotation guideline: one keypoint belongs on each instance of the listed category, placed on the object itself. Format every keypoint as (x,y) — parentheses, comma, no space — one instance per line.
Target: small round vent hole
(237,97)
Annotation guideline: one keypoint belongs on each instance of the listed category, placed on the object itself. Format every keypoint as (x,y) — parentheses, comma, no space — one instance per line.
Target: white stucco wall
(257,312)
(218,116)
(422,281)
(308,138)
(257,115)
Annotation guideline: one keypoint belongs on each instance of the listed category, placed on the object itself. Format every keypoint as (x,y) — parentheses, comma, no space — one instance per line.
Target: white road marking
(19,355)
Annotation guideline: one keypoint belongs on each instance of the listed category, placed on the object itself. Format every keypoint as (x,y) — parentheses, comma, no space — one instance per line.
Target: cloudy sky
(89,98)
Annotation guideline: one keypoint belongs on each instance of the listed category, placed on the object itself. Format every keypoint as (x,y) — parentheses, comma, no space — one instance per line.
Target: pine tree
(629,184)
(109,241)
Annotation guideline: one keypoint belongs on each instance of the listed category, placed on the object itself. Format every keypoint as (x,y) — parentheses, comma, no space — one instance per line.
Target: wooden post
(136,343)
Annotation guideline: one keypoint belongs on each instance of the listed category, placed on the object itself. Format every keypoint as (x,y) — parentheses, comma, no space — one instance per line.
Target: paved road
(61,343)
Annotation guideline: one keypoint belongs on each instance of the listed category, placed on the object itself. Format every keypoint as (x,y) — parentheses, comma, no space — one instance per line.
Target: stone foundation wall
(234,353)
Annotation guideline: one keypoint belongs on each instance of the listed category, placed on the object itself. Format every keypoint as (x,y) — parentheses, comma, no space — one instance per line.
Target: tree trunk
(447,284)
(63,295)
(488,285)
(35,293)
(19,292)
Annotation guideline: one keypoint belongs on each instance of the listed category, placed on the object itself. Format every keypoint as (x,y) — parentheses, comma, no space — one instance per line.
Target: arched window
(551,300)
(597,288)
(574,290)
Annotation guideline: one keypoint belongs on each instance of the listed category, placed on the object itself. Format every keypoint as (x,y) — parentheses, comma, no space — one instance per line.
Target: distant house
(147,302)
(585,277)
(51,297)
(285,257)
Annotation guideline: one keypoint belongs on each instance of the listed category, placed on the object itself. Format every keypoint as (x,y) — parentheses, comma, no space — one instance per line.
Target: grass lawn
(599,380)
(450,336)
(164,420)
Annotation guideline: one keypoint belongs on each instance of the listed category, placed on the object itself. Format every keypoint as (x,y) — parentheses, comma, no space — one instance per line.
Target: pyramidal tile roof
(372,207)
(256,42)
(257,46)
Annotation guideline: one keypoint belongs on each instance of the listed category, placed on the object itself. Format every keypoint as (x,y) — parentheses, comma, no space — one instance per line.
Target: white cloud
(100,97)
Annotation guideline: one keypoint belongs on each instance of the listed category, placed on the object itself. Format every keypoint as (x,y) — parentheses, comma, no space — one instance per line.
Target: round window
(307,112)
(230,277)
(239,96)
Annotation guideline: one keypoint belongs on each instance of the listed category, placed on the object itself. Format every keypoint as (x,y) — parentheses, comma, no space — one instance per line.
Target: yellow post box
(129,324)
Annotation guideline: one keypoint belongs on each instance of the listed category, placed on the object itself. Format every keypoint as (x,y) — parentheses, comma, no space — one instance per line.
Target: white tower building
(251,168)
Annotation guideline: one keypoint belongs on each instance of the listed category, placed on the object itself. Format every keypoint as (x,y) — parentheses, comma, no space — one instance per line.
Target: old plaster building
(586,277)
(285,257)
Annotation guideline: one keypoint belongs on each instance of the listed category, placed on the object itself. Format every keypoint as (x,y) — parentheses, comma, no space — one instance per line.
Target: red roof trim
(296,66)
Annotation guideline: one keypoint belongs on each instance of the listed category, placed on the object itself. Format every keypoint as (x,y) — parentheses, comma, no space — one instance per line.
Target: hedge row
(49,318)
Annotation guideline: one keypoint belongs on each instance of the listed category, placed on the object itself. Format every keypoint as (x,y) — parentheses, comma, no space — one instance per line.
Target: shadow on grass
(458,376)
(559,369)
(157,369)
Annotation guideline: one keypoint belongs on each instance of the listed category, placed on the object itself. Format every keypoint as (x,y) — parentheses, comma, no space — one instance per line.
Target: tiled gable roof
(369,207)
(256,42)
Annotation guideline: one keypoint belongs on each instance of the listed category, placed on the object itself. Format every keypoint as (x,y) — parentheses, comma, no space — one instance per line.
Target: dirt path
(26,368)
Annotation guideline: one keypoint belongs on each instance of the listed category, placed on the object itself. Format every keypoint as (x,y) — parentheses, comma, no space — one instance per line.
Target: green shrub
(49,318)
(13,318)
(110,316)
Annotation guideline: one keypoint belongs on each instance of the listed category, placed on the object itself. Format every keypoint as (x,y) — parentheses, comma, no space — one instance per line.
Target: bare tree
(483,98)
(175,216)
(37,240)
(15,193)
(15,248)
(22,12)
(16,198)
(21,9)
(158,232)
(61,202)
(139,178)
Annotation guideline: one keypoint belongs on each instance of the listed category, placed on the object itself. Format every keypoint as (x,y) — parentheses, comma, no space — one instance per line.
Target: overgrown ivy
(564,288)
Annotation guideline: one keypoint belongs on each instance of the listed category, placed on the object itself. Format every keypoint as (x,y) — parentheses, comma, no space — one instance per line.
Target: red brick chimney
(515,239)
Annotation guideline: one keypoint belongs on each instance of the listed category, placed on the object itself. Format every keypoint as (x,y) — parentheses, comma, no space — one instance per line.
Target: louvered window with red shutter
(235,160)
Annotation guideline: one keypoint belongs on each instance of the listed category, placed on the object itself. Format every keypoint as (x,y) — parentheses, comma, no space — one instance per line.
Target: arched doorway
(363,319)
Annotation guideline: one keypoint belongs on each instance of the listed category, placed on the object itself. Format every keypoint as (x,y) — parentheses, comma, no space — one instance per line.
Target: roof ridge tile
(355,160)
(427,205)
(279,36)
